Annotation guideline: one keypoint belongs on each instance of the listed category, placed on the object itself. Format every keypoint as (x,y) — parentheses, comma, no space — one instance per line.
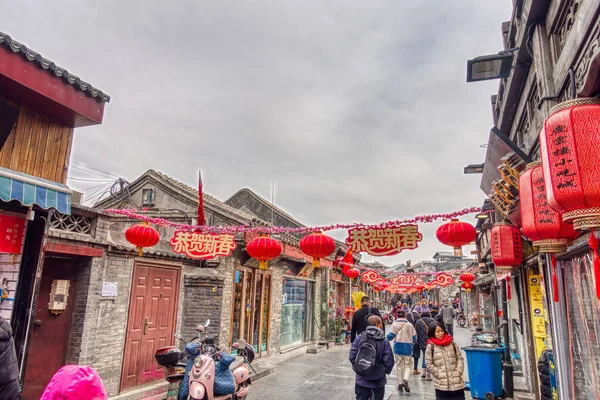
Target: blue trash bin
(485,370)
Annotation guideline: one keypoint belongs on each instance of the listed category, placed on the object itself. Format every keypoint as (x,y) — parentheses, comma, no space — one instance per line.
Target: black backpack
(366,358)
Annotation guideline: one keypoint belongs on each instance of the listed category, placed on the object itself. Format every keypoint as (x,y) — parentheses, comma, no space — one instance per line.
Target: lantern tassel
(508,289)
(263,265)
(458,252)
(316,263)
(593,242)
(139,251)
(554,279)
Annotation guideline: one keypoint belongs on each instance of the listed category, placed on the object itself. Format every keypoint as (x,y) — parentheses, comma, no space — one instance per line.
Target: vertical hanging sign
(11,234)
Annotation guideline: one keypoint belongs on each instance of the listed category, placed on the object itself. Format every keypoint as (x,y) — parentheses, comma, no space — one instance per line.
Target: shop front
(251,307)
(297,311)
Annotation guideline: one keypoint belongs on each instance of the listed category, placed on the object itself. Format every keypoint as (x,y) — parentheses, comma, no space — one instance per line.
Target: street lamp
(493,66)
(474,169)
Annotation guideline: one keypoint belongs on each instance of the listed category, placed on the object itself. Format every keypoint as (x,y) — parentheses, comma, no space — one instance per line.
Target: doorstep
(153,391)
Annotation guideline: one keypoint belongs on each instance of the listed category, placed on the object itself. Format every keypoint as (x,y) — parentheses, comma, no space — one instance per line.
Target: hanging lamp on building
(264,249)
(507,250)
(141,236)
(352,273)
(570,150)
(317,246)
(540,223)
(467,286)
(456,234)
(467,277)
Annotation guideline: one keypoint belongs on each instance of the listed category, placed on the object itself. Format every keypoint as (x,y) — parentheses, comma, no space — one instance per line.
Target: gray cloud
(359,110)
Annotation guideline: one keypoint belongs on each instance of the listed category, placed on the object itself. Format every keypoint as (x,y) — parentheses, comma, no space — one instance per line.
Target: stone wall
(276,303)
(203,299)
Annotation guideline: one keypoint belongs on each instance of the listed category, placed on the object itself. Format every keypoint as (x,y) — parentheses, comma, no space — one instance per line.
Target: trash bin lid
(485,349)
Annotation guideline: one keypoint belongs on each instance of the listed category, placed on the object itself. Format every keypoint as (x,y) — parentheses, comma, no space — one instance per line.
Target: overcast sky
(358,110)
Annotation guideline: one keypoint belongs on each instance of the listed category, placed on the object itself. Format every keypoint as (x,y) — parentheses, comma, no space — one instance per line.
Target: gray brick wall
(276,302)
(203,298)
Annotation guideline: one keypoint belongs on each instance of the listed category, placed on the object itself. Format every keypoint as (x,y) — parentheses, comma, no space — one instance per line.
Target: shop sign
(11,231)
(306,271)
(202,246)
(384,241)
(537,314)
(336,277)
(407,280)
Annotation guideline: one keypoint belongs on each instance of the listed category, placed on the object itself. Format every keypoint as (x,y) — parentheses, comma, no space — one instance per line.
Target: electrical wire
(87,180)
(93,170)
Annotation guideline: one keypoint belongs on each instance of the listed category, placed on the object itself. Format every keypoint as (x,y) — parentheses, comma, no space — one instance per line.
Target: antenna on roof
(272,202)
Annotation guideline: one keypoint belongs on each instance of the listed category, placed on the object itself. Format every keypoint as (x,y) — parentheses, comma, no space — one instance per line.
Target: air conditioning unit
(76,197)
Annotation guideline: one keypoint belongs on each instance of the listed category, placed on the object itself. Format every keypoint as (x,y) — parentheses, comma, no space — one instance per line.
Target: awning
(30,190)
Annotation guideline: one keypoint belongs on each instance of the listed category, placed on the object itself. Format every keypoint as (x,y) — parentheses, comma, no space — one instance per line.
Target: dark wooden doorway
(50,335)
(151,324)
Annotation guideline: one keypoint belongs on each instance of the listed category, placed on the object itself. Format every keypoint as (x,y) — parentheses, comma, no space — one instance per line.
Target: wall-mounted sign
(110,289)
(384,241)
(306,271)
(336,277)
(202,246)
(11,234)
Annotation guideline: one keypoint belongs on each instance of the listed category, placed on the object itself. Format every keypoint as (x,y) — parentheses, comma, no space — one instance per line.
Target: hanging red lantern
(456,234)
(377,287)
(352,273)
(317,246)
(467,277)
(540,223)
(570,149)
(142,235)
(263,249)
(467,286)
(420,288)
(507,251)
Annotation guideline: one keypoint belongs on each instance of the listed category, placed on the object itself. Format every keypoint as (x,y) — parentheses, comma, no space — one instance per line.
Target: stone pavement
(329,376)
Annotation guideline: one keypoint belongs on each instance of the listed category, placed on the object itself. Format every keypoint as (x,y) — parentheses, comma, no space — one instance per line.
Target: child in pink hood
(73,382)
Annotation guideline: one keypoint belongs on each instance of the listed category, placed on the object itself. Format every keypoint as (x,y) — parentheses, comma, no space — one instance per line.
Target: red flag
(201,218)
(347,261)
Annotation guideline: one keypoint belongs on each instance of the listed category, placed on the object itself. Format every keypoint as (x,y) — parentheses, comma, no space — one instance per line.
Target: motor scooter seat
(239,360)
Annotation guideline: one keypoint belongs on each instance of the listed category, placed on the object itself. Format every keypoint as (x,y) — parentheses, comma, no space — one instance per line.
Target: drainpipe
(507,365)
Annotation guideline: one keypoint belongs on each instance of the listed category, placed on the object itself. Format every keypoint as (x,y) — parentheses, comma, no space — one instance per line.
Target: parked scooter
(388,318)
(232,370)
(461,319)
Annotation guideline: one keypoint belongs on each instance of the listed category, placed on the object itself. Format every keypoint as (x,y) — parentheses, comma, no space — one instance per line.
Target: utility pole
(507,366)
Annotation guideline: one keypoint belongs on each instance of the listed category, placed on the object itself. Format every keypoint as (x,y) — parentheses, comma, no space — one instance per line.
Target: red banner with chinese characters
(202,246)
(11,234)
(384,241)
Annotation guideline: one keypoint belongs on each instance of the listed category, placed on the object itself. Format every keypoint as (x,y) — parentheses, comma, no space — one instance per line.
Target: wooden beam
(77,250)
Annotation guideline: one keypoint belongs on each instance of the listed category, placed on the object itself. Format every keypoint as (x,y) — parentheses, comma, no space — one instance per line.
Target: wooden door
(152,317)
(50,334)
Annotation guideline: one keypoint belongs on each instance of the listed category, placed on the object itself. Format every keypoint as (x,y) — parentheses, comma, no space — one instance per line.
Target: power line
(95,169)
(87,180)
(96,192)
(92,172)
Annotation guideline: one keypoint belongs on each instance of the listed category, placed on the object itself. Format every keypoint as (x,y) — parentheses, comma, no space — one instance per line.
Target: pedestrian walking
(73,382)
(446,363)
(423,327)
(448,313)
(372,359)
(359,320)
(413,317)
(397,308)
(9,368)
(404,335)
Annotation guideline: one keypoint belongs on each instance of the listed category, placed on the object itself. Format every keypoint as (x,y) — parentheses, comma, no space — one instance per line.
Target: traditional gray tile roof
(268,204)
(48,65)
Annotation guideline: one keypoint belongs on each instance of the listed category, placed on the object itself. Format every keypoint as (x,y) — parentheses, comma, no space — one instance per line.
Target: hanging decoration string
(593,242)
(554,279)
(424,219)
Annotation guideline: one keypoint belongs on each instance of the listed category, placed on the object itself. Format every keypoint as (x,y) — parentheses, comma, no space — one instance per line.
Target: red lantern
(540,223)
(352,273)
(263,249)
(570,149)
(142,235)
(467,286)
(456,234)
(317,246)
(420,288)
(377,287)
(507,251)
(467,277)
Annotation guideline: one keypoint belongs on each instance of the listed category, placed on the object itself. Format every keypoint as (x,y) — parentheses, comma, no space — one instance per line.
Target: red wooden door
(50,334)
(152,316)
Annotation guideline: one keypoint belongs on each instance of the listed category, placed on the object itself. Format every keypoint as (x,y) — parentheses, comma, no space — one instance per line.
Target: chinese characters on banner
(407,280)
(384,241)
(306,271)
(11,234)
(202,246)
(565,171)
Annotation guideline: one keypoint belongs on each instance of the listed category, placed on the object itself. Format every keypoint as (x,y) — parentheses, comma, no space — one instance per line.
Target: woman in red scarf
(445,362)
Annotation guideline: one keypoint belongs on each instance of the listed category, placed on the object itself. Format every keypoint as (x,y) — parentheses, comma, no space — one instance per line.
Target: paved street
(328,375)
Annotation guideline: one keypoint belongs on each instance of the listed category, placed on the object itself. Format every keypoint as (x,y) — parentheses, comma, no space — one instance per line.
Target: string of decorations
(424,219)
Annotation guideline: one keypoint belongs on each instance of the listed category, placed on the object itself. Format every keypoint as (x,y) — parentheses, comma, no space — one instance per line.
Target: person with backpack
(447,315)
(404,335)
(359,320)
(413,317)
(9,367)
(445,362)
(422,326)
(372,359)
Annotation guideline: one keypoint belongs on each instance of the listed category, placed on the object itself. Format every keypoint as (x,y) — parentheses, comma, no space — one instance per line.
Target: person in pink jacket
(73,382)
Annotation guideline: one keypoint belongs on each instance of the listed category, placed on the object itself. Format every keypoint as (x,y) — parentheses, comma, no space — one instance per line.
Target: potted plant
(340,325)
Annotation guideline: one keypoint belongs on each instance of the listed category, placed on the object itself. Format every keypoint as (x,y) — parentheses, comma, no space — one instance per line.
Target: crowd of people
(423,331)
